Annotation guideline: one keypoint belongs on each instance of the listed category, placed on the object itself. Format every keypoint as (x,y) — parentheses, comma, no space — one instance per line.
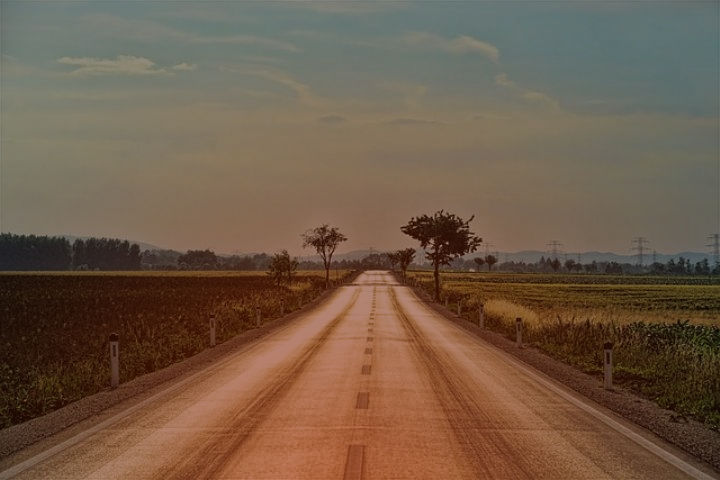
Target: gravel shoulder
(688,435)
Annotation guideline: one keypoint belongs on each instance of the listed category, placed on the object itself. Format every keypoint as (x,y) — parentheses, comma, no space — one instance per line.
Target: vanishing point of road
(371,383)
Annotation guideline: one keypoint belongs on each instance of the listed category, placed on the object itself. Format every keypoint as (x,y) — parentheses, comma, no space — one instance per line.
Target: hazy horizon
(236,126)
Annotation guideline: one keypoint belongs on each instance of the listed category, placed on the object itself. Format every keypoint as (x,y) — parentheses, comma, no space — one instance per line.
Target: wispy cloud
(121,65)
(539,97)
(184,67)
(303,92)
(459,45)
(533,96)
(503,80)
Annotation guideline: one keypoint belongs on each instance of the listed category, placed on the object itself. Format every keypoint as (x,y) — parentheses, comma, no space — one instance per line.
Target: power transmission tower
(715,238)
(554,244)
(640,243)
(487,248)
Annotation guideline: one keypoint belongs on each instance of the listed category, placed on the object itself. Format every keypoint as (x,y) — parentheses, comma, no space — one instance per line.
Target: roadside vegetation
(666,337)
(55,327)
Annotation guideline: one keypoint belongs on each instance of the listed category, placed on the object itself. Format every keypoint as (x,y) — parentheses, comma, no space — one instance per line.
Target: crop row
(580,279)
(544,294)
(54,328)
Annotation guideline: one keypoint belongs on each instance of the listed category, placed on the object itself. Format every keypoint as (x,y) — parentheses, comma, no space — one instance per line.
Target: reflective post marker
(481,312)
(114,360)
(608,365)
(518,332)
(212,329)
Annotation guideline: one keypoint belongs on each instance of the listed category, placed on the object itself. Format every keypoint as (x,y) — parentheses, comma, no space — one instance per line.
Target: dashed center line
(353,465)
(363,400)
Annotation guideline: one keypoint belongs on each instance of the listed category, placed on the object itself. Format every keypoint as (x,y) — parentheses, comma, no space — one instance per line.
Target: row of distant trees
(105,254)
(33,252)
(680,266)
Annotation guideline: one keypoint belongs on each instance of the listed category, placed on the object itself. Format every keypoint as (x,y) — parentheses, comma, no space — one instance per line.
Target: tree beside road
(325,240)
(447,237)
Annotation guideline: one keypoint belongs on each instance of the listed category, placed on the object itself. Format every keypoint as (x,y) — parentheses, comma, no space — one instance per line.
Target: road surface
(370,384)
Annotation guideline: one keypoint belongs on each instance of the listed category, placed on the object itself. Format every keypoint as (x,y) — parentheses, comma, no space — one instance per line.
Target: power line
(715,238)
(640,243)
(554,244)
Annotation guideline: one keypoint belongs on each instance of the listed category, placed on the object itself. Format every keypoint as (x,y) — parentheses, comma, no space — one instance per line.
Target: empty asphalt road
(370,384)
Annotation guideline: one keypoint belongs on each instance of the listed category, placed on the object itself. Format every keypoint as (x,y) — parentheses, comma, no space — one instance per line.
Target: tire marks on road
(216,452)
(463,413)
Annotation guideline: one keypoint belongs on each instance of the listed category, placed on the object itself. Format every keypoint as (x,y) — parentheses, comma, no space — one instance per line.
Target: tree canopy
(198,260)
(282,268)
(444,236)
(324,239)
(405,258)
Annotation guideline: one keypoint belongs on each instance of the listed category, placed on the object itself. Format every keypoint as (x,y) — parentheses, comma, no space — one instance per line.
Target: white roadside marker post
(114,360)
(608,365)
(212,329)
(481,319)
(459,307)
(518,332)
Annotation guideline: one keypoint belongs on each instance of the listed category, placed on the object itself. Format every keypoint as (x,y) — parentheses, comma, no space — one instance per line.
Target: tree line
(680,266)
(34,252)
(105,254)
(444,237)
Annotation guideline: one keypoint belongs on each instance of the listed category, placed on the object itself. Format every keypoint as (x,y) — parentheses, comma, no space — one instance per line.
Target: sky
(236,126)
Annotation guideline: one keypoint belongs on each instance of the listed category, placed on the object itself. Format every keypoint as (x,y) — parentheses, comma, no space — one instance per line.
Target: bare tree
(324,239)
